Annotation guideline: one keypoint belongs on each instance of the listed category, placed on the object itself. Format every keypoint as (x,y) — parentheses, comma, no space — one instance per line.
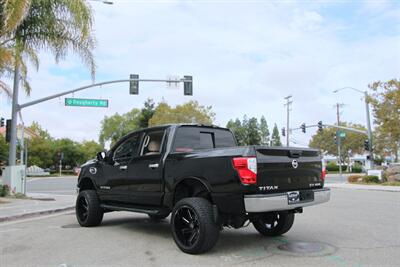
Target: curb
(35,214)
(383,189)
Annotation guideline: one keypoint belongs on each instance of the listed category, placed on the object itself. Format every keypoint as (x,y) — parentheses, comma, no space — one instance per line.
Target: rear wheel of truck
(193,226)
(87,209)
(273,223)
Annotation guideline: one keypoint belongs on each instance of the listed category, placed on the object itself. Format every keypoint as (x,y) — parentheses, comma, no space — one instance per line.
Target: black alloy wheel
(82,208)
(273,223)
(193,226)
(87,208)
(186,224)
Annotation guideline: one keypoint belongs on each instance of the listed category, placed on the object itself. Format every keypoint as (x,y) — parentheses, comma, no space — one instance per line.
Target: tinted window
(127,149)
(196,138)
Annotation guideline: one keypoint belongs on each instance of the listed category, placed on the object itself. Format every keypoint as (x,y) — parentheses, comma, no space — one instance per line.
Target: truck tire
(87,209)
(273,223)
(158,217)
(193,226)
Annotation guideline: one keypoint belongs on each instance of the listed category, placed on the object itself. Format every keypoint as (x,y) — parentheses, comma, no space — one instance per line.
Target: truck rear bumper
(276,202)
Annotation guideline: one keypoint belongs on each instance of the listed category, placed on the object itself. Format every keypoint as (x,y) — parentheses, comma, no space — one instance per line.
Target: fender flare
(169,196)
(86,178)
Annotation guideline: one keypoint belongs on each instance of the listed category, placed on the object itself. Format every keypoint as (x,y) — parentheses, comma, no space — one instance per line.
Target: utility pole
(288,103)
(338,106)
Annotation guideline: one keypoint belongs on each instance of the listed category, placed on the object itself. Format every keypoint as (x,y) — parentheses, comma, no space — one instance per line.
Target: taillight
(323,174)
(246,168)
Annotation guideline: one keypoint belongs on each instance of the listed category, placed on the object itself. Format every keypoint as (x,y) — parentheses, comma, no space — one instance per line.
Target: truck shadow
(230,241)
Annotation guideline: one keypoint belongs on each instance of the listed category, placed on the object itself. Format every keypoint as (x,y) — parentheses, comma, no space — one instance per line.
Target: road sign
(342,134)
(84,102)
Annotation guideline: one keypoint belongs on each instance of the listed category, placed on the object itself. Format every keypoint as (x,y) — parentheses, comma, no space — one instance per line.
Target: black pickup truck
(201,177)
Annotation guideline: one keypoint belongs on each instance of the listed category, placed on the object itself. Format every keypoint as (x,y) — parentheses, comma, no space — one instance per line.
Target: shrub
(332,166)
(355,178)
(357,168)
(371,179)
(4,190)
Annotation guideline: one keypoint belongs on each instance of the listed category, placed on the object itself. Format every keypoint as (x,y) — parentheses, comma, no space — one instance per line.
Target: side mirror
(101,156)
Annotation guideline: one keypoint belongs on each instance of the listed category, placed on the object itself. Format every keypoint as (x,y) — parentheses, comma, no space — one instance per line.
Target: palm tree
(58,26)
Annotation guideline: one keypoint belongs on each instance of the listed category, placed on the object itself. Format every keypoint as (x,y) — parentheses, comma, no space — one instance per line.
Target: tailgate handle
(294,153)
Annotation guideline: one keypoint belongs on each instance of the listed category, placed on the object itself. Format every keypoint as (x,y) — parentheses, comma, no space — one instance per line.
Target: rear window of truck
(197,138)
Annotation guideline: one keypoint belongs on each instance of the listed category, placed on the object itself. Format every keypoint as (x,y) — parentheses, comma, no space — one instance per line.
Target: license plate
(293,197)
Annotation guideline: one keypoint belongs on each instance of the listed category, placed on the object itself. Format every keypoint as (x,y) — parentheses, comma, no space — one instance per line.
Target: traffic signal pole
(339,141)
(371,153)
(14,112)
(288,103)
(17,108)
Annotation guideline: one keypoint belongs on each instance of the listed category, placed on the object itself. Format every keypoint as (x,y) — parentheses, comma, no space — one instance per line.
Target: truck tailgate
(282,169)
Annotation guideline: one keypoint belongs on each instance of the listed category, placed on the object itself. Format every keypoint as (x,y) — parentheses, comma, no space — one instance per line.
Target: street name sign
(84,102)
(342,134)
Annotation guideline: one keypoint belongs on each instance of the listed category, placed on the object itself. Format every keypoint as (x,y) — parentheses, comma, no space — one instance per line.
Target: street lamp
(368,118)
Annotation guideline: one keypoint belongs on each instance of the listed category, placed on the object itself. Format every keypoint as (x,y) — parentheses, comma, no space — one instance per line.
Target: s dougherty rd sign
(84,102)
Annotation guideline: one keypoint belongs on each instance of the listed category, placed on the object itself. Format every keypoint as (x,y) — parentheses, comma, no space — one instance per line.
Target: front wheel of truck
(273,223)
(193,226)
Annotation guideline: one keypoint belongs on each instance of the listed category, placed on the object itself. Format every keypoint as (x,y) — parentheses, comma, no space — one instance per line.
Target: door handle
(124,167)
(153,166)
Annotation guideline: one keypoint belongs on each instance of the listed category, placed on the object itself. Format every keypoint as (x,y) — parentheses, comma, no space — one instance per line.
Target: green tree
(56,26)
(385,101)
(353,143)
(238,130)
(116,126)
(73,154)
(264,132)
(3,150)
(190,112)
(275,138)
(253,132)
(146,113)
(90,149)
(38,130)
(41,152)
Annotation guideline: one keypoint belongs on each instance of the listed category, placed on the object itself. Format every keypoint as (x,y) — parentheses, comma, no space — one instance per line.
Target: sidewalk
(364,187)
(39,204)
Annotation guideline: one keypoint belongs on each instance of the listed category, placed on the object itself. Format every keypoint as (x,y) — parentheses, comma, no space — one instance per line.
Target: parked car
(205,181)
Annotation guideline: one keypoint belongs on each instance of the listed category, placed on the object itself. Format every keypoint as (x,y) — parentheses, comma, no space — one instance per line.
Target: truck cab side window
(128,149)
(152,143)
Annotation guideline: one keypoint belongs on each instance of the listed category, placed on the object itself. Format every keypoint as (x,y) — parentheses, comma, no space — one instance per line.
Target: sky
(244,56)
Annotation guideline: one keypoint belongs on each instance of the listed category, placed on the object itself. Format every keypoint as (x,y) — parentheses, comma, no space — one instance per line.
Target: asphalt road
(65,185)
(357,228)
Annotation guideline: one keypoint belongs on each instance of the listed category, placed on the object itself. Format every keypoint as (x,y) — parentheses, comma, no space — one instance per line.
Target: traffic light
(1,122)
(320,126)
(303,128)
(188,85)
(283,131)
(134,85)
(335,139)
(8,131)
(366,145)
